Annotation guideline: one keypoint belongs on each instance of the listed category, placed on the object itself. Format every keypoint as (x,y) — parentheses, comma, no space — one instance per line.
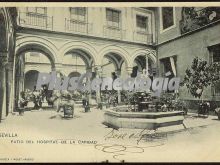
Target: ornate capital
(3,59)
(89,69)
(129,70)
(118,72)
(98,68)
(58,67)
(151,52)
(9,65)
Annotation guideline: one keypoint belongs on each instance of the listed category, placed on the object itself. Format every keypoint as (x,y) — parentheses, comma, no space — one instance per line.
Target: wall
(186,48)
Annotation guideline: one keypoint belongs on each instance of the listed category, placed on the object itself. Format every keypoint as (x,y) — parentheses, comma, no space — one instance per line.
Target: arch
(140,66)
(30,47)
(80,47)
(82,55)
(151,54)
(31,43)
(117,50)
(113,60)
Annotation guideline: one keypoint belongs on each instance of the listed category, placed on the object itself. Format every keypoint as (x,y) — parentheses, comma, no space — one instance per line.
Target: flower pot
(87,108)
(219,115)
(217,110)
(100,106)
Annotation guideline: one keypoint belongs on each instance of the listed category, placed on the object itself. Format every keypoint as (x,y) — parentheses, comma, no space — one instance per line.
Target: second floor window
(78,13)
(113,18)
(37,10)
(167,16)
(141,23)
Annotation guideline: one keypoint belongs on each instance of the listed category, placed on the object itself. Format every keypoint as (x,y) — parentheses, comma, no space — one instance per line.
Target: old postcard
(109,82)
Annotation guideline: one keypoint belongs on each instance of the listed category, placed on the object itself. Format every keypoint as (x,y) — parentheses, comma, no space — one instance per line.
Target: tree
(201,75)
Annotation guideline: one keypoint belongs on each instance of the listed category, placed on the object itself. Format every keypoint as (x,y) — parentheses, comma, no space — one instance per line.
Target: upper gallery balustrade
(115,25)
(35,20)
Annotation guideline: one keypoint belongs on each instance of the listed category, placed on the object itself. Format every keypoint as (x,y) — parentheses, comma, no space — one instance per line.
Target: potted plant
(198,77)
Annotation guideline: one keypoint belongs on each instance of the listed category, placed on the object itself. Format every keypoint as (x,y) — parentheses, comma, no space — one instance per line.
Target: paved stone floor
(47,136)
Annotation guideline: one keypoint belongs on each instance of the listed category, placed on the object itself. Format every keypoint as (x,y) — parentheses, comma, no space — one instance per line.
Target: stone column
(98,75)
(58,68)
(17,82)
(147,66)
(129,71)
(9,72)
(118,73)
(89,81)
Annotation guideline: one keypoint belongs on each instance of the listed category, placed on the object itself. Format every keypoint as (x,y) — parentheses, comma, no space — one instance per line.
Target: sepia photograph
(109,82)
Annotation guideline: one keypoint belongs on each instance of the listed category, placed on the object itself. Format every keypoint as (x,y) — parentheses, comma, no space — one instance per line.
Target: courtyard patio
(84,138)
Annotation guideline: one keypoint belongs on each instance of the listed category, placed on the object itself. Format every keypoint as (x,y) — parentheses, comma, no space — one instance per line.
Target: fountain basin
(142,120)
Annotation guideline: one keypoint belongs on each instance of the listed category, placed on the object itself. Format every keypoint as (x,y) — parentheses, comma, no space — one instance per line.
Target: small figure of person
(35,98)
(84,100)
(22,103)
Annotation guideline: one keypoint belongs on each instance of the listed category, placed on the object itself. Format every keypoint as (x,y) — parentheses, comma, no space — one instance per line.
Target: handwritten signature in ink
(144,134)
(120,150)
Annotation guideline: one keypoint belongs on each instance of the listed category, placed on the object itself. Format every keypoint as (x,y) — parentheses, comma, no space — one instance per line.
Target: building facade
(104,41)
(189,32)
(75,40)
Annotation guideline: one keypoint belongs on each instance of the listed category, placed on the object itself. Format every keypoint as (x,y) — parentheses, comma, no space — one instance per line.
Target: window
(78,13)
(141,23)
(169,67)
(167,18)
(36,54)
(38,10)
(215,52)
(33,57)
(113,18)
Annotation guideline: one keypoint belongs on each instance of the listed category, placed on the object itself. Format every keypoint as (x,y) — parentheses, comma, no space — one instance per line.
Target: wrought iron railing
(144,37)
(113,32)
(36,20)
(193,19)
(78,26)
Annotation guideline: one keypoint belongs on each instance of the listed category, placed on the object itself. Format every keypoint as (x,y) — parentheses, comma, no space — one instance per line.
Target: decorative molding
(3,60)
(193,19)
